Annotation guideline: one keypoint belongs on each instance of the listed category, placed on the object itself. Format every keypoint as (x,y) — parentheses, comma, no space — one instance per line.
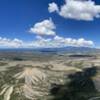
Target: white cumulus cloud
(5,42)
(61,41)
(58,41)
(53,7)
(41,42)
(77,9)
(45,27)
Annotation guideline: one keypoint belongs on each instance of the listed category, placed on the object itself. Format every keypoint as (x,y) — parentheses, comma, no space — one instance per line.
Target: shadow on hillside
(80,87)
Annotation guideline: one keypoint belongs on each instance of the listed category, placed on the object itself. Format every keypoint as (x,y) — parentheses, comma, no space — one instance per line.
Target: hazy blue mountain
(70,49)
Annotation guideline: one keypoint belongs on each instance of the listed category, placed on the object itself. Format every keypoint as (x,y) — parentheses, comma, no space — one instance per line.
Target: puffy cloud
(45,27)
(41,42)
(77,9)
(53,7)
(73,42)
(58,41)
(14,43)
(5,42)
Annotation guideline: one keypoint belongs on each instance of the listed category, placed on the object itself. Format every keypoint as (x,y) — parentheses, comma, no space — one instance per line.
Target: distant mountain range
(70,49)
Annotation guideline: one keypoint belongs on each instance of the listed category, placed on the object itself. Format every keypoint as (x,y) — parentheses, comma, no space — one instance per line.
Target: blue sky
(17,17)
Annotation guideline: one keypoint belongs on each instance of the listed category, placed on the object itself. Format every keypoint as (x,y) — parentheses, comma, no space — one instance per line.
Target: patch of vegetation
(17,59)
(80,87)
(3,63)
(80,55)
